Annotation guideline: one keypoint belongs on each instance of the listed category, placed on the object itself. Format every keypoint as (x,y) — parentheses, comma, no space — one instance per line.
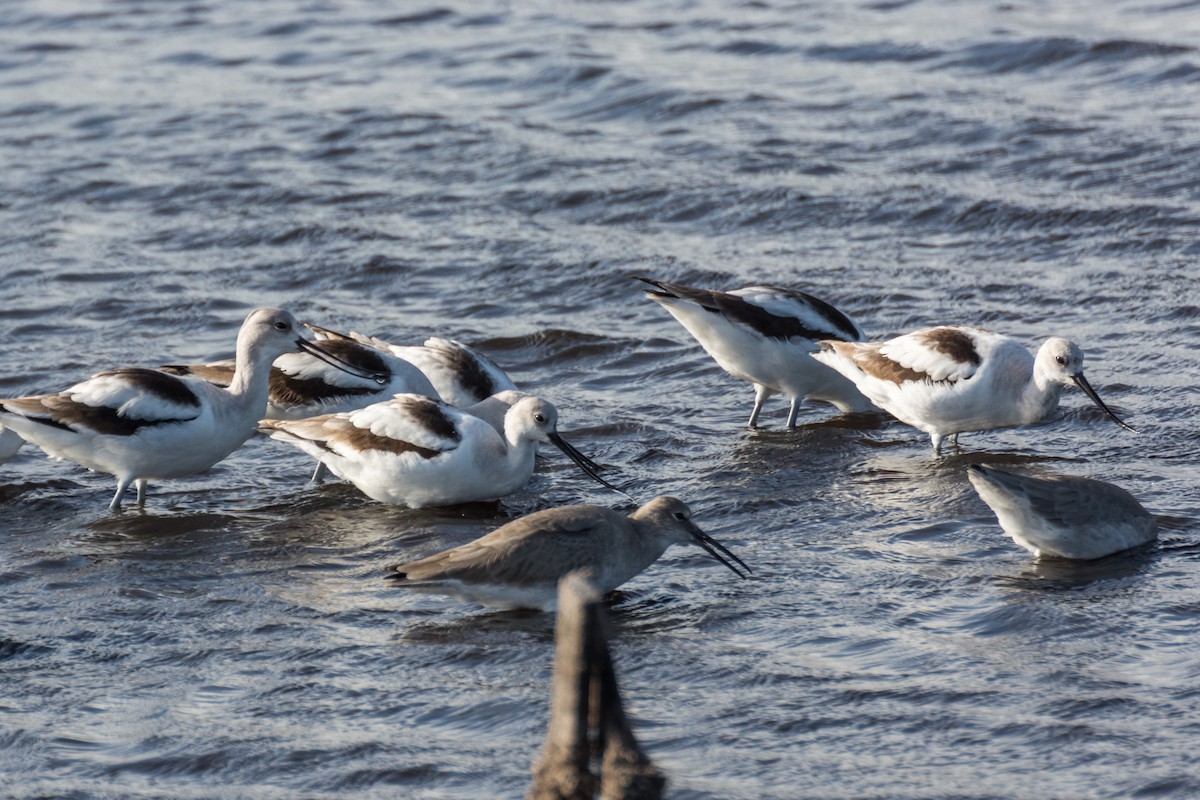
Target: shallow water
(495,172)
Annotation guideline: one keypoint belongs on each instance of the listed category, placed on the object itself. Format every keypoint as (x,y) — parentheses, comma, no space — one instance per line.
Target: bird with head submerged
(766,335)
(462,375)
(519,564)
(141,424)
(1059,516)
(954,379)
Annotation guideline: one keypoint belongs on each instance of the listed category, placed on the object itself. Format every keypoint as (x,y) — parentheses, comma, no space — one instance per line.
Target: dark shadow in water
(143,524)
(1063,574)
(631,612)
(1168,523)
(475,625)
(10,492)
(865,421)
(924,466)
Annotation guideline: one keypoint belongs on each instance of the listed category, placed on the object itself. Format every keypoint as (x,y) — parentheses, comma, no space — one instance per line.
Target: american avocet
(1064,517)
(141,424)
(954,379)
(519,564)
(416,451)
(765,335)
(462,376)
(10,443)
(303,385)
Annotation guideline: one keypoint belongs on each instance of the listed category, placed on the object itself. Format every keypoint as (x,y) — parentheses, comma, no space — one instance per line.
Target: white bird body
(519,564)
(415,451)
(955,379)
(140,424)
(460,375)
(766,335)
(10,443)
(1064,517)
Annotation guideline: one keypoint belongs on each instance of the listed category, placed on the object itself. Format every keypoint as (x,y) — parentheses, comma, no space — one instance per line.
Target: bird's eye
(281,326)
(1061,359)
(679,515)
(539,417)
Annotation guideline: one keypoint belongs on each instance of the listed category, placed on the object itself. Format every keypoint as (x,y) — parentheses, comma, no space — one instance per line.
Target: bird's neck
(521,452)
(250,383)
(1040,397)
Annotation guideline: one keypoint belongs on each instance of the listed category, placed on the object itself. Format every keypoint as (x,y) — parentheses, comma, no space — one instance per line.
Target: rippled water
(494,172)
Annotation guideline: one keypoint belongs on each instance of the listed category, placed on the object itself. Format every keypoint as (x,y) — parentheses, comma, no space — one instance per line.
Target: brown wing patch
(362,439)
(952,342)
(877,365)
(471,371)
(287,390)
(355,354)
(866,356)
(216,374)
(429,413)
(156,383)
(57,411)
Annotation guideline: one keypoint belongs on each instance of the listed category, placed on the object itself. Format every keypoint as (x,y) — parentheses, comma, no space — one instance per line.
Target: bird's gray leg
(954,441)
(791,423)
(761,393)
(140,483)
(319,473)
(122,485)
(937,444)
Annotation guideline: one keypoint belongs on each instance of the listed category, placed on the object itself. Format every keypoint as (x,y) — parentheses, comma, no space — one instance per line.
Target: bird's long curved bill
(583,462)
(716,549)
(333,361)
(1087,389)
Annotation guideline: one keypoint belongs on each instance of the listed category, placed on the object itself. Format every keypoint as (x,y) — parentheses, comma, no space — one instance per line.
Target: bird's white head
(1061,361)
(532,418)
(267,334)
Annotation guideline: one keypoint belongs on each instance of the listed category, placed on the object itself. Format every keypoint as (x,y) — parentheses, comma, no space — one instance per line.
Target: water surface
(495,172)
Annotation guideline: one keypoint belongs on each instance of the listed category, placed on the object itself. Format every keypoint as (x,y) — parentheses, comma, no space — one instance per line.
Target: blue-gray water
(494,172)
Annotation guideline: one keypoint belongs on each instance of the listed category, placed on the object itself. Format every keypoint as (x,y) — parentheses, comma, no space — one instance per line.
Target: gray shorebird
(519,564)
(955,379)
(1064,517)
(142,424)
(765,335)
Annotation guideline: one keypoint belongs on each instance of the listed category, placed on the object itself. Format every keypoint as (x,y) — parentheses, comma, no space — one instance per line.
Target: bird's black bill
(1087,389)
(583,462)
(715,549)
(333,361)
(579,454)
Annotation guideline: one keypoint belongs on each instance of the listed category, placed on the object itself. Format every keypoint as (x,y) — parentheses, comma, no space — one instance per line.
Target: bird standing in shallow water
(519,564)
(142,424)
(416,451)
(955,379)
(1064,517)
(766,335)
